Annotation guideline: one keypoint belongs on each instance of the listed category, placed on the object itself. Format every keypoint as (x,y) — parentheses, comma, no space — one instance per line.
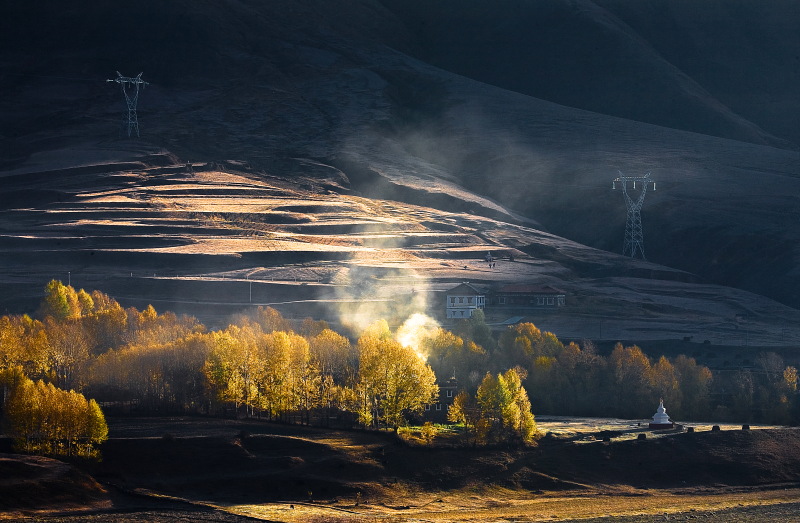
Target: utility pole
(131,98)
(634,240)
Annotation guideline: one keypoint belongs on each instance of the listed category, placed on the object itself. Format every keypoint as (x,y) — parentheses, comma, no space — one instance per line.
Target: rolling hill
(349,154)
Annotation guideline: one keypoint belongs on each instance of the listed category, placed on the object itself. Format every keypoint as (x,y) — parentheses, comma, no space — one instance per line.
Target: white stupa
(661,419)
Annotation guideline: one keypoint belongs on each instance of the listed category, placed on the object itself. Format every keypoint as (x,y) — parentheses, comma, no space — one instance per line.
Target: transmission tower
(634,241)
(130,88)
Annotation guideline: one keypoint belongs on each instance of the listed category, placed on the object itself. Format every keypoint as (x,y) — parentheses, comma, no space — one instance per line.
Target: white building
(661,418)
(463,300)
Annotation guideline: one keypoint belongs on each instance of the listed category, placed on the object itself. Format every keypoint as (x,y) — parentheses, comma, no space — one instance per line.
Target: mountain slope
(674,64)
(746,53)
(326,102)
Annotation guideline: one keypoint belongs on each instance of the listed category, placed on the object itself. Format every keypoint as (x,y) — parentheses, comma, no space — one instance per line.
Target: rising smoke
(365,295)
(416,328)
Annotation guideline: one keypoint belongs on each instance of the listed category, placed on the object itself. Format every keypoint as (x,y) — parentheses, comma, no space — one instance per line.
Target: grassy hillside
(321,92)
(726,69)
(157,469)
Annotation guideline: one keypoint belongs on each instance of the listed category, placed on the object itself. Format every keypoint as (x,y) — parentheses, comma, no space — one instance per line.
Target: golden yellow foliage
(47,420)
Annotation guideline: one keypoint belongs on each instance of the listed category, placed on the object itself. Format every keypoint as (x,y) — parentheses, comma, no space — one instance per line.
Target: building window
(452,300)
(540,300)
(427,407)
(438,406)
(461,300)
(501,300)
(449,393)
(550,301)
(469,300)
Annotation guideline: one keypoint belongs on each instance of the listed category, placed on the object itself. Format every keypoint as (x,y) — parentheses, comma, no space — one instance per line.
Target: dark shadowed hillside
(405,137)
(727,69)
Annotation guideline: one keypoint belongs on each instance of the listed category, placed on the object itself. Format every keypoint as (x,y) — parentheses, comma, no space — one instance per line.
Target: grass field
(199,469)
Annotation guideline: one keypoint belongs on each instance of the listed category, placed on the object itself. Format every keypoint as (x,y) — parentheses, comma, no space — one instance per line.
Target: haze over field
(352,154)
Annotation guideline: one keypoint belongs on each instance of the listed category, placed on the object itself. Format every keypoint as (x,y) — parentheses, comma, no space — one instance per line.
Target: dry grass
(584,430)
(506,506)
(367,476)
(192,228)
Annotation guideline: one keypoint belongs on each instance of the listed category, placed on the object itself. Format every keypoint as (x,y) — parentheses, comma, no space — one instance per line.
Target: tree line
(576,379)
(44,419)
(264,365)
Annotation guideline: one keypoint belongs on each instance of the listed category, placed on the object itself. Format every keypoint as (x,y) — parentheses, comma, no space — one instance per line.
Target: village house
(519,296)
(447,393)
(463,300)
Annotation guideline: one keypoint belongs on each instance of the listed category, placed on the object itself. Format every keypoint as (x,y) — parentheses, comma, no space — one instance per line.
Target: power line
(634,239)
(131,99)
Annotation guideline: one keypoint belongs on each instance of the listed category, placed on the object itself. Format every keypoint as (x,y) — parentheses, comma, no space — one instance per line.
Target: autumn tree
(310,327)
(60,301)
(24,343)
(567,379)
(67,352)
(666,384)
(334,355)
(47,420)
(500,412)
(392,381)
(790,379)
(289,381)
(161,377)
(336,361)
(776,388)
(449,355)
(519,419)
(464,409)
(148,327)
(234,365)
(107,325)
(476,330)
(271,320)
(632,377)
(524,343)
(694,382)
(10,378)
(378,329)
(505,410)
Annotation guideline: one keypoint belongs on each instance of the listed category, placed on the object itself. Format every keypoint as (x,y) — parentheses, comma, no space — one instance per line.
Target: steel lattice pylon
(634,240)
(131,99)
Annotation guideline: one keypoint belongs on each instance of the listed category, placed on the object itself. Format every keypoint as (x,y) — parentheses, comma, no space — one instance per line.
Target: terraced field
(213,239)
(208,233)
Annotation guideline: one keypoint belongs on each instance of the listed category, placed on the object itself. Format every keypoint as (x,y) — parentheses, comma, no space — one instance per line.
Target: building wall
(529,301)
(462,306)
(438,411)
